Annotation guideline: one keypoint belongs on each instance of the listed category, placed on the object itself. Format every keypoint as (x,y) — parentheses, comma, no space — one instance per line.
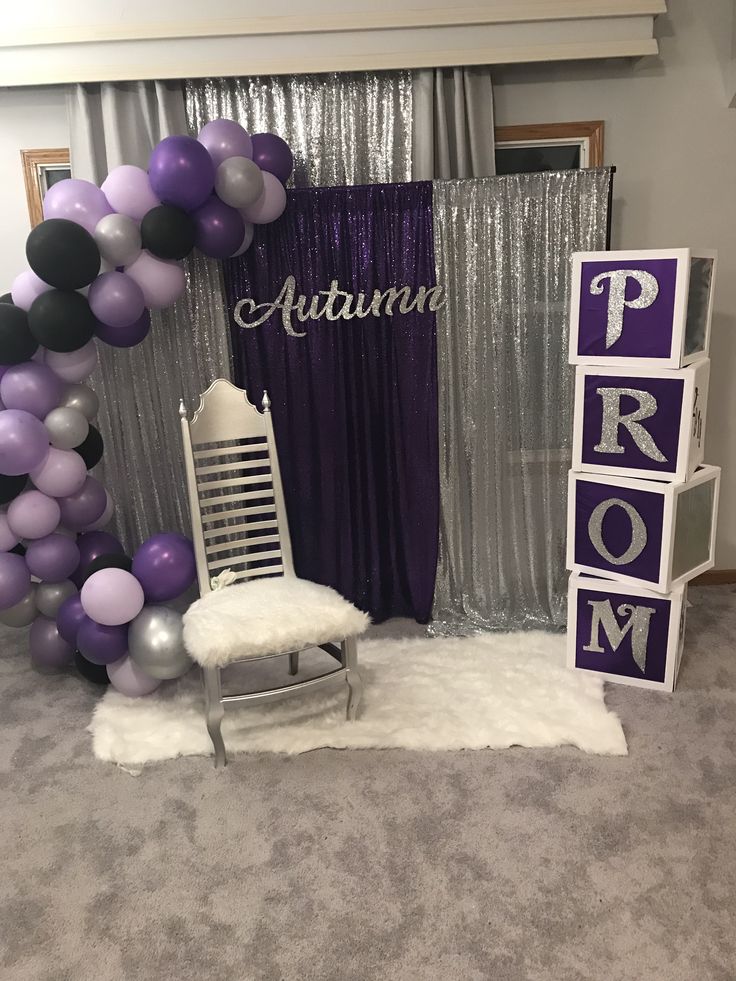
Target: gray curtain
(502,250)
(452,123)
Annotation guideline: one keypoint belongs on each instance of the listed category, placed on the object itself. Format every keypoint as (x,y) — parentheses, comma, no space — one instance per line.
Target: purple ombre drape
(354,401)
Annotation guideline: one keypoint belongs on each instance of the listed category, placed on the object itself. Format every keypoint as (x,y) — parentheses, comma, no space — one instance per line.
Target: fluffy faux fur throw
(267,616)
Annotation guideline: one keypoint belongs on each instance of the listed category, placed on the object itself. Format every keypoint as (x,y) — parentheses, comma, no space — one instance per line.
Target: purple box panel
(649,436)
(627,316)
(618,633)
(643,512)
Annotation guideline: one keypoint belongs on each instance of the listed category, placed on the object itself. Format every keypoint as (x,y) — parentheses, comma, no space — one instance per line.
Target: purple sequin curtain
(354,402)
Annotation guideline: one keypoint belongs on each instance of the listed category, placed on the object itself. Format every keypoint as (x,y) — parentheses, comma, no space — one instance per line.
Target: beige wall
(672,137)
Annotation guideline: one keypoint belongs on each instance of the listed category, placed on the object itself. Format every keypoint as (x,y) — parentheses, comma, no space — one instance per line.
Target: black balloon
(92,448)
(19,549)
(6,298)
(61,320)
(96,673)
(168,232)
(10,487)
(17,343)
(113,560)
(63,254)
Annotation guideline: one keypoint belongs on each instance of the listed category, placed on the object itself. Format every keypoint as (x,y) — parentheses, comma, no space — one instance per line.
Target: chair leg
(349,648)
(215,712)
(294,663)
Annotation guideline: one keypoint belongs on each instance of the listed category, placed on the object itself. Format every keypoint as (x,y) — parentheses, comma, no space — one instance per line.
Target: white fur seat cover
(267,616)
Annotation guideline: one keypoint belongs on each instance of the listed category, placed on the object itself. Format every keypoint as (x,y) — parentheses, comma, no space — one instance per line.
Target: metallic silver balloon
(22,613)
(119,239)
(67,427)
(238,182)
(82,398)
(155,643)
(50,596)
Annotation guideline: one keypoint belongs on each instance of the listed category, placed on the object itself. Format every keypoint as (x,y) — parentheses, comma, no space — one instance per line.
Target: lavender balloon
(26,287)
(31,387)
(116,299)
(219,229)
(24,442)
(223,138)
(84,506)
(48,648)
(270,205)
(102,644)
(70,618)
(112,596)
(162,281)
(76,200)
(62,473)
(52,558)
(127,678)
(272,154)
(73,366)
(33,515)
(8,538)
(128,190)
(15,579)
(181,172)
(164,566)
(128,335)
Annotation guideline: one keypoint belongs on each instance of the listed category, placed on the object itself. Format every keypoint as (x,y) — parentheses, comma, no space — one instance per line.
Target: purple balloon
(8,538)
(31,387)
(164,565)
(219,229)
(48,648)
(126,336)
(76,200)
(24,442)
(273,155)
(26,287)
(127,678)
(128,190)
(70,618)
(116,299)
(181,172)
(15,579)
(52,558)
(270,205)
(161,280)
(112,596)
(85,506)
(101,644)
(91,545)
(33,515)
(225,138)
(62,473)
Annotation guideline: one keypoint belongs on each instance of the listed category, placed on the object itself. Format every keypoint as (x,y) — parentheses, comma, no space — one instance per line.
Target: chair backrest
(236,499)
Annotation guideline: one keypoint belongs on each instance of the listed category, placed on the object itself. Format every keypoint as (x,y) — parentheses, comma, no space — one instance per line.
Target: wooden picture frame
(587,136)
(37,164)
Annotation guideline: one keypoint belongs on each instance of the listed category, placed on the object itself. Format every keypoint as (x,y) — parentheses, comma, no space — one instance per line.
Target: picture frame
(533,147)
(42,168)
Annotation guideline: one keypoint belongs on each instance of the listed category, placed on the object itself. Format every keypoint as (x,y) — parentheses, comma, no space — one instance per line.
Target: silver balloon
(238,182)
(119,239)
(82,398)
(50,596)
(67,427)
(155,643)
(22,613)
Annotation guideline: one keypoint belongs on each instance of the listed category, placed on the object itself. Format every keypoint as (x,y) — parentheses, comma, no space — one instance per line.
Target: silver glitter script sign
(613,418)
(617,301)
(637,623)
(638,531)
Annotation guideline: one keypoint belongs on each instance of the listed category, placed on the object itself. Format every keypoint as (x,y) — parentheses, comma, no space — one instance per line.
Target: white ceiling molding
(109,43)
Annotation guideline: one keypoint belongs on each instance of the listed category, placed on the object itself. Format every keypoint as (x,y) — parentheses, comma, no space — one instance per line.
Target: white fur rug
(487,691)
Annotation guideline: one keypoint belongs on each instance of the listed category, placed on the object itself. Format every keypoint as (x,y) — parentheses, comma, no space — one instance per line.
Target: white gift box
(642,532)
(625,634)
(640,422)
(648,307)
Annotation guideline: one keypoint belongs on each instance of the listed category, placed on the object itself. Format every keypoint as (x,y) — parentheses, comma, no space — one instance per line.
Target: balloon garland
(101,259)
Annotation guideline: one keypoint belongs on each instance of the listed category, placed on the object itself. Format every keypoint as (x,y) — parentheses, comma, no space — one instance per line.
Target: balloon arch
(101,259)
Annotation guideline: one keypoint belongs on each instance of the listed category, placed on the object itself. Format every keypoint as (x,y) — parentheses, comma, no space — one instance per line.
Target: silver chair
(240,527)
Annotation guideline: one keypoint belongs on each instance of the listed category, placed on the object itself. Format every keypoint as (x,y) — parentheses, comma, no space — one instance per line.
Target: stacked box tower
(642,504)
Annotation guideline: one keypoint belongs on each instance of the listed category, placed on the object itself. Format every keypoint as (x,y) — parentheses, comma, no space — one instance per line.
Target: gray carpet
(521,865)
